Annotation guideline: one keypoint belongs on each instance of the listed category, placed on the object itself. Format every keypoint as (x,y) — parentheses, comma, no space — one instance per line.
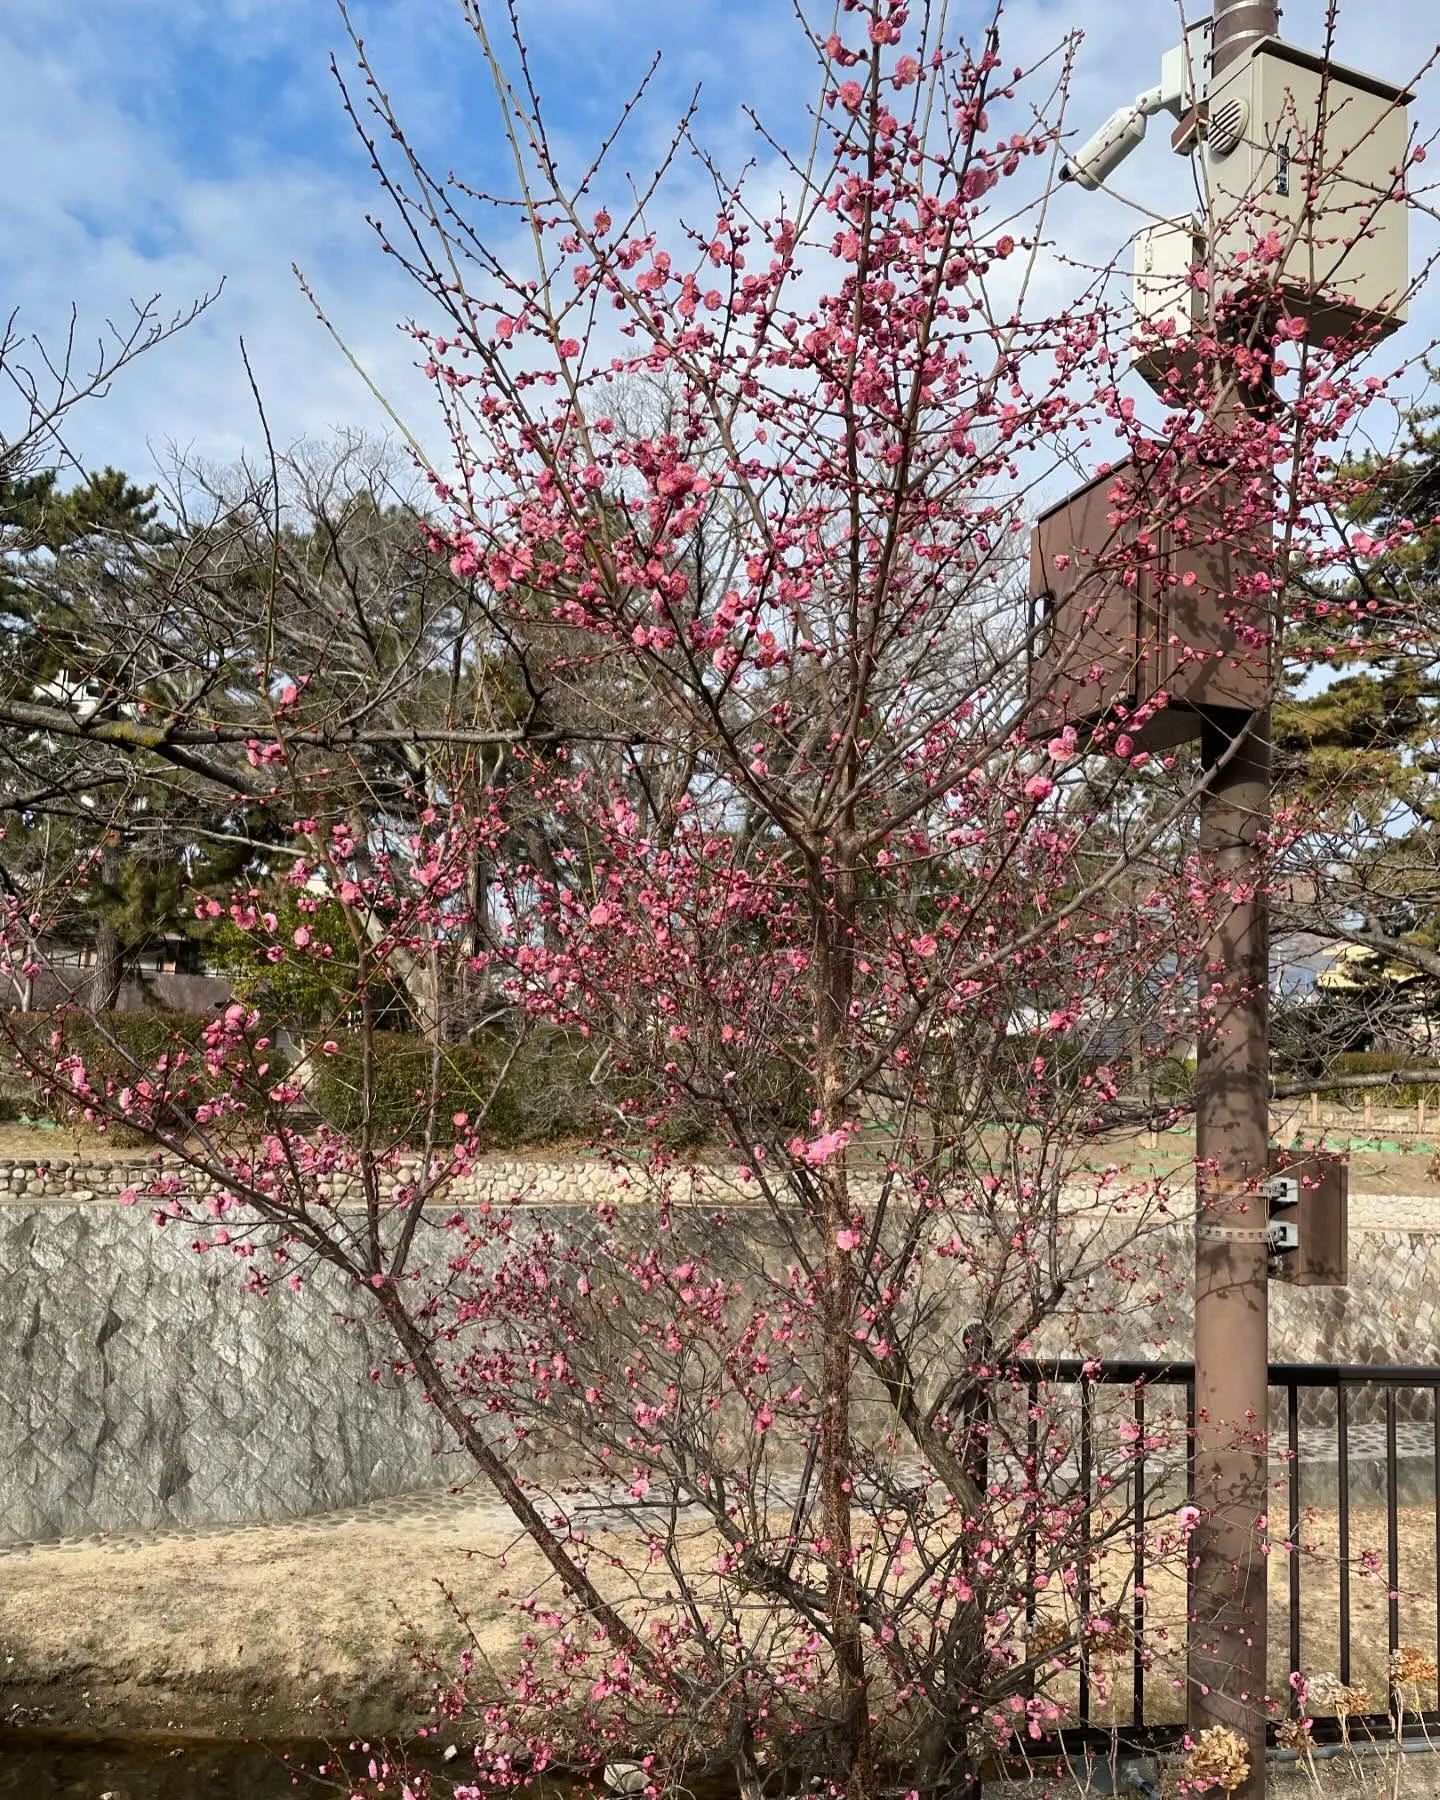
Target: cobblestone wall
(572,1182)
(141,1386)
(494,1181)
(85,1178)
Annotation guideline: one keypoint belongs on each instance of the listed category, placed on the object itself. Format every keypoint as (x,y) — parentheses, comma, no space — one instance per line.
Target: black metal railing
(1385,1426)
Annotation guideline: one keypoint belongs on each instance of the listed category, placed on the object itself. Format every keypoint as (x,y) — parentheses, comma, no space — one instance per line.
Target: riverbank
(332,1625)
(278,1631)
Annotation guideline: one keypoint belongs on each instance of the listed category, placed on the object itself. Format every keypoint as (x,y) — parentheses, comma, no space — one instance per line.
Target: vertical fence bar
(1087,1451)
(1189,1492)
(1032,1506)
(1392,1526)
(1340,1380)
(1292,1441)
(1342,1501)
(1137,1623)
(975,1408)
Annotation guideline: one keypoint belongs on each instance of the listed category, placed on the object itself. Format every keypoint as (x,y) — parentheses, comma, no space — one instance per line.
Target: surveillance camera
(1099,156)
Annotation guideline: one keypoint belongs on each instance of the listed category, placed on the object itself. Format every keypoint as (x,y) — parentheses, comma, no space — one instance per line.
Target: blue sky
(155,146)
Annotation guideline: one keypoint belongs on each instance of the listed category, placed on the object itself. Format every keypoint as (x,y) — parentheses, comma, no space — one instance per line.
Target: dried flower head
(1346,1701)
(1219,1758)
(1295,1734)
(1409,1666)
(1110,1635)
(1046,1635)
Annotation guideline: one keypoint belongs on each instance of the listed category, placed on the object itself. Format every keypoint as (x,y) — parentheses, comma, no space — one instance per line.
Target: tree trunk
(103,990)
(945,1768)
(835,907)
(109,971)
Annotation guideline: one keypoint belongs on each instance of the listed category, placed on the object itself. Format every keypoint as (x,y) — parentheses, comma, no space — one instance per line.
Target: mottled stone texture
(494,1181)
(1390,1312)
(141,1386)
(497,1181)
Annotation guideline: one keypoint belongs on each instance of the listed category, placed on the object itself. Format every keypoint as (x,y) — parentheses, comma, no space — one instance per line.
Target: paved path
(610,1508)
(478,1511)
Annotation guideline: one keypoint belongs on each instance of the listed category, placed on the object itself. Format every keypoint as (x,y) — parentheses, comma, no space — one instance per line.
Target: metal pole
(1239,26)
(1228,1589)
(1228,1586)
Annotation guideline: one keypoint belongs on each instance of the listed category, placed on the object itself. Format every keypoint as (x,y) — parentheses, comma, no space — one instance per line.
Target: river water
(163,1769)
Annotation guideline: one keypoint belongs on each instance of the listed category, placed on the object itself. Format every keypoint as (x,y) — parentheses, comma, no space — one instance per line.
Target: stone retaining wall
(141,1386)
(571,1182)
(492,1181)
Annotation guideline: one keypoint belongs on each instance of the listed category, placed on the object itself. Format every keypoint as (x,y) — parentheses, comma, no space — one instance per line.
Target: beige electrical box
(1315,154)
(1169,307)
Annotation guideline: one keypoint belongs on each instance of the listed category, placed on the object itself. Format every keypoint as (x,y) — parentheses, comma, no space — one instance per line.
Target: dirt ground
(38,1140)
(262,1631)
(1402,1169)
(1319,1609)
(272,1629)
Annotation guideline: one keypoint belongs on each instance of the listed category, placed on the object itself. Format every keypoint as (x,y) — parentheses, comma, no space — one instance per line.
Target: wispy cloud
(163,146)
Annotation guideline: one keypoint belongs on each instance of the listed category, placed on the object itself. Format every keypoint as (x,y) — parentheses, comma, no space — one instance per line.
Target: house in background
(168,975)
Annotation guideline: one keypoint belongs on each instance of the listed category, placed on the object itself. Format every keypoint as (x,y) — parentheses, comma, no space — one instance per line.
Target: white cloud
(99,111)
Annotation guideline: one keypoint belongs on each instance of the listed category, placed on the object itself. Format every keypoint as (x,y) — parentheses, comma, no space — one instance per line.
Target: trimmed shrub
(544,1096)
(550,1092)
(1379,1062)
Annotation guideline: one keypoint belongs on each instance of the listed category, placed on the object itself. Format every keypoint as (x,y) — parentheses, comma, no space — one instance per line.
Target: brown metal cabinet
(1125,610)
(1317,1209)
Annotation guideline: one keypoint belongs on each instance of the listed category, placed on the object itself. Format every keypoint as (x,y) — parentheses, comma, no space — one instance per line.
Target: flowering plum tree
(858,932)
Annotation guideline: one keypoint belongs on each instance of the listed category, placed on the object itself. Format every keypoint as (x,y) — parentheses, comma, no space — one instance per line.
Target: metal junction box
(1308,1201)
(1169,307)
(1281,123)
(1121,615)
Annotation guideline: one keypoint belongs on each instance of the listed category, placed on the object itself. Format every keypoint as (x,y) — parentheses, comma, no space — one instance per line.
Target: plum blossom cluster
(742,808)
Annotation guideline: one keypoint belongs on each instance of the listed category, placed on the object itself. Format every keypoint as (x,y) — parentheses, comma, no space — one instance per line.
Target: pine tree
(1364,749)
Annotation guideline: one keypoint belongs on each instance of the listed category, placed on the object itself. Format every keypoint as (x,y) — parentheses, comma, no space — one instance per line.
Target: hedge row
(550,1091)
(546,1091)
(545,1094)
(1403,1094)
(554,1088)
(113,1046)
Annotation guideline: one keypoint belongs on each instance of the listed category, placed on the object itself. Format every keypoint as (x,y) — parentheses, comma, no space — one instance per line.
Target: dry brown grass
(1163,1636)
(268,1618)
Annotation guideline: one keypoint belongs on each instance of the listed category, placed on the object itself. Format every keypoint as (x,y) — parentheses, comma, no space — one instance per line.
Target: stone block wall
(141,1386)
(494,1181)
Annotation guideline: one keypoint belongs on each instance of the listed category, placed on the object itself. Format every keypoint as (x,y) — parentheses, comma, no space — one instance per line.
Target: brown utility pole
(1228,1589)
